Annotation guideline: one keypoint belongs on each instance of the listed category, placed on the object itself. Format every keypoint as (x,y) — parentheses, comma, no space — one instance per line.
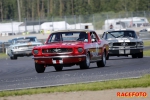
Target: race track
(19,74)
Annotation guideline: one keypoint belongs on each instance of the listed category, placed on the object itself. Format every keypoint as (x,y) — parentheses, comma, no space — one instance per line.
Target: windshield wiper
(112,35)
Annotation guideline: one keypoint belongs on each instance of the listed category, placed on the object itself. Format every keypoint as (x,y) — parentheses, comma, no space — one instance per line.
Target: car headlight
(80,50)
(110,44)
(14,47)
(35,52)
(139,43)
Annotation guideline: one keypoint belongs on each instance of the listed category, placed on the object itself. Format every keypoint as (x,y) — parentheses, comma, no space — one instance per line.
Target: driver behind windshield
(129,34)
(82,36)
(120,34)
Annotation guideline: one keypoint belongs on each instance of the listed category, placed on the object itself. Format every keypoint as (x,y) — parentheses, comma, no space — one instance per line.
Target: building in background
(120,23)
(15,28)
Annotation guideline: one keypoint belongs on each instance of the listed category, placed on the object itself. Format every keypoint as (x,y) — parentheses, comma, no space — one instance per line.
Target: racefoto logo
(132,94)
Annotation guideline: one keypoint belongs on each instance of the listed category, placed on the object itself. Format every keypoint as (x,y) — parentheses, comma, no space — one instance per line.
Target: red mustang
(70,47)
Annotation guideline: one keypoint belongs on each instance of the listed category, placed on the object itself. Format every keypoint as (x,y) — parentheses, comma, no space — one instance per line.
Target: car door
(95,47)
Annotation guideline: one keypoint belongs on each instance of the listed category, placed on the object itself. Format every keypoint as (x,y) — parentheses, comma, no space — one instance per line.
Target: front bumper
(22,52)
(63,59)
(125,51)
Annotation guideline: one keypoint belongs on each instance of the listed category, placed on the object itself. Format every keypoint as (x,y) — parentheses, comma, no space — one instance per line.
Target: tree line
(34,9)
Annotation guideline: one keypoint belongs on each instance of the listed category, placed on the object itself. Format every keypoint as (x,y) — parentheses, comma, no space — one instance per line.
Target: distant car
(144,30)
(124,43)
(22,47)
(70,47)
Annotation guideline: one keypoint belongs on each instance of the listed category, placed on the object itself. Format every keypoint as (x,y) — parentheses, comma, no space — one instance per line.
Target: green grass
(146,43)
(146,53)
(95,86)
(3,55)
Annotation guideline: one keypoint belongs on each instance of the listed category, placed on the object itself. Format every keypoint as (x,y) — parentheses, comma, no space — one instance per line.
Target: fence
(3,47)
(97,20)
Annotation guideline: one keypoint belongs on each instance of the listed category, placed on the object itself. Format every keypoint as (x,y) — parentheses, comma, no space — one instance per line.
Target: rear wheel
(102,63)
(85,64)
(39,68)
(140,55)
(58,67)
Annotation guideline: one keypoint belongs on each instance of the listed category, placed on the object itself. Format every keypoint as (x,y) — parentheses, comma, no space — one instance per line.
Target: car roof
(119,30)
(74,30)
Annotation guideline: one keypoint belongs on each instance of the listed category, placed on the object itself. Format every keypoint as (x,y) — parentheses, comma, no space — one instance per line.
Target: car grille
(57,50)
(125,44)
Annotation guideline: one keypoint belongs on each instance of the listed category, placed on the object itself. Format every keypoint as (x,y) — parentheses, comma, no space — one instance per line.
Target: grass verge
(3,55)
(95,86)
(146,53)
(146,43)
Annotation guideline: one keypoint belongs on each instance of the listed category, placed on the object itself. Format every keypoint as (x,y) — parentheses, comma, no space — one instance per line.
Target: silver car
(124,42)
(22,47)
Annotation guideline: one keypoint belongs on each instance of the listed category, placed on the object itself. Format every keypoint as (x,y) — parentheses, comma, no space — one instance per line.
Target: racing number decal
(95,52)
(29,43)
(97,49)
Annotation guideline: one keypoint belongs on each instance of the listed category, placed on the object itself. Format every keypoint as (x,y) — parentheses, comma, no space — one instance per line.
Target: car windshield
(121,34)
(68,36)
(24,40)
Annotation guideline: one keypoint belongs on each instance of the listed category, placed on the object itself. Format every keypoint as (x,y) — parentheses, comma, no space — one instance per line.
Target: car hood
(128,39)
(62,44)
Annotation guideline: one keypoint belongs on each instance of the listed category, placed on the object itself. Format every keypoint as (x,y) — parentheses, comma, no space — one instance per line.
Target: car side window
(93,37)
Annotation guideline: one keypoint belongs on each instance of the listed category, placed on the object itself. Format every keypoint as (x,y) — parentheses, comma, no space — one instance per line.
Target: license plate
(121,51)
(57,61)
(127,51)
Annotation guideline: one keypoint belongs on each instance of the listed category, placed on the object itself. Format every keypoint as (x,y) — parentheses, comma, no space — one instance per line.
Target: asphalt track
(20,74)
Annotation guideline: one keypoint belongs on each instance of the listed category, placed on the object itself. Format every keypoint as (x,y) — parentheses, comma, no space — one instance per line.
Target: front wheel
(140,55)
(13,58)
(85,64)
(107,58)
(134,56)
(39,68)
(102,63)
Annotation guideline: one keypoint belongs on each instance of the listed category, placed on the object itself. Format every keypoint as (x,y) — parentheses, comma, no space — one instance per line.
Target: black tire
(14,58)
(58,67)
(140,55)
(134,56)
(85,64)
(39,68)
(102,63)
(107,58)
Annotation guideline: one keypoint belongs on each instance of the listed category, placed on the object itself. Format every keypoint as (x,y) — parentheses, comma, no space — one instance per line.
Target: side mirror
(86,40)
(93,40)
